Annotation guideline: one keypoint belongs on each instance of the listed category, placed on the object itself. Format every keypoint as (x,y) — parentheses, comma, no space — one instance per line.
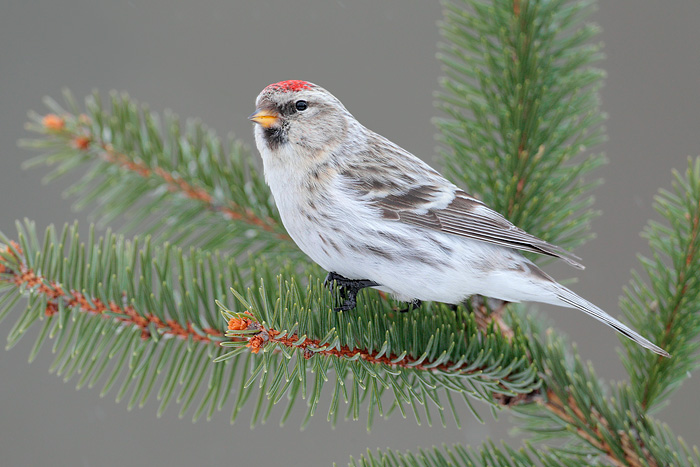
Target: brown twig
(569,412)
(56,295)
(176,184)
(80,138)
(681,288)
(573,415)
(310,347)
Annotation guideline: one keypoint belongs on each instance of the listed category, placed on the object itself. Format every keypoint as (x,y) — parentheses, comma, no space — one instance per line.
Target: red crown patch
(290,85)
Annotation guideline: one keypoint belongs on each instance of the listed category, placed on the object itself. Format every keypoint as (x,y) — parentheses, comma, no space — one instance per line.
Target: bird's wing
(464,216)
(406,189)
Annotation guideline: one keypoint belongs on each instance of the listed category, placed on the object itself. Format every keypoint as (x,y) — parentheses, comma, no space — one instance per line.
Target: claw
(347,305)
(349,288)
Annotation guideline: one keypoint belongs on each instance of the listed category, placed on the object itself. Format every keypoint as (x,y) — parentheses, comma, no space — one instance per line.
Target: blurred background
(209,59)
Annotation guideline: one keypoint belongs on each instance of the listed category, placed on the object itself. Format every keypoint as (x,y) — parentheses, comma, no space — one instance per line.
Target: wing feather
(466,217)
(406,189)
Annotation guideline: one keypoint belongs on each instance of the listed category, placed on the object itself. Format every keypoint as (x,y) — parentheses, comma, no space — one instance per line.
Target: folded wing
(464,216)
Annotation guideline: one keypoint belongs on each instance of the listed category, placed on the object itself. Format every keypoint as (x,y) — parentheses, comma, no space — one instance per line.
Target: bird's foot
(349,288)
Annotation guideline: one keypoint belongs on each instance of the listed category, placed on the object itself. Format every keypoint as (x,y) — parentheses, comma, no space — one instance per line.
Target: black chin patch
(275,136)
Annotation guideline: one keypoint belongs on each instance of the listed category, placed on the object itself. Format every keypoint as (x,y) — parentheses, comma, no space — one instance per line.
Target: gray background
(210,59)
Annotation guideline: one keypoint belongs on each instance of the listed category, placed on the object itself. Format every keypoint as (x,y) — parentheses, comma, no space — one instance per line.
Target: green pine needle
(182,185)
(143,316)
(126,311)
(668,307)
(521,98)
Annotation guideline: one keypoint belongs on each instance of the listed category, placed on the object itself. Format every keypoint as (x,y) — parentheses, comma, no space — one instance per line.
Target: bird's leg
(349,288)
(412,305)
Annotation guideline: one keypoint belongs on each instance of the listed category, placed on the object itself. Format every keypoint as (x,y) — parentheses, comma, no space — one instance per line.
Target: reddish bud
(238,324)
(51,309)
(53,122)
(81,142)
(255,343)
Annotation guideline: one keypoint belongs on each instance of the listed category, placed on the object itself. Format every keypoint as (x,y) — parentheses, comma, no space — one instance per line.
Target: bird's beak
(264,118)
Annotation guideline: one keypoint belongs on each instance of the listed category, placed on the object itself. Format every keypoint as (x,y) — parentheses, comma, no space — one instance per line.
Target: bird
(372,214)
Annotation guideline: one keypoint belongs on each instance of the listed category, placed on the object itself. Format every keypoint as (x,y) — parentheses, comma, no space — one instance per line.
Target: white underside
(413,265)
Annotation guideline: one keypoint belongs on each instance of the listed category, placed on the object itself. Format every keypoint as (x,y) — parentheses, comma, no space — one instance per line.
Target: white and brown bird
(375,215)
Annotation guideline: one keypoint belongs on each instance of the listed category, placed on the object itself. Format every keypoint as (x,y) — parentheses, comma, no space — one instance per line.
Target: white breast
(286,175)
(346,235)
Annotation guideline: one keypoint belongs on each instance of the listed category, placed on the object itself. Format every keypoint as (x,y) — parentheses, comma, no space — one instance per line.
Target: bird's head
(299,116)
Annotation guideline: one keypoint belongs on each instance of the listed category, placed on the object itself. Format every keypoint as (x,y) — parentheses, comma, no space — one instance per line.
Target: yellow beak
(264,118)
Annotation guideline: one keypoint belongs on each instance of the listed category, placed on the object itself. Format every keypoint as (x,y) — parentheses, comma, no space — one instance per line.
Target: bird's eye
(301,105)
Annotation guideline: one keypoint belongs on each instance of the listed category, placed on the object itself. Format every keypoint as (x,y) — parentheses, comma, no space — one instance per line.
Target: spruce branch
(521,97)
(421,358)
(122,308)
(182,186)
(107,295)
(486,455)
(668,306)
(56,298)
(576,407)
(599,427)
(494,456)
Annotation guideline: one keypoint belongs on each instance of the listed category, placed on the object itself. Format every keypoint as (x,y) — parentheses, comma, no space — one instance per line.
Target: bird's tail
(570,299)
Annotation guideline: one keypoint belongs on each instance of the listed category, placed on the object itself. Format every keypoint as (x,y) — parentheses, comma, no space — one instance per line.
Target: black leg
(349,288)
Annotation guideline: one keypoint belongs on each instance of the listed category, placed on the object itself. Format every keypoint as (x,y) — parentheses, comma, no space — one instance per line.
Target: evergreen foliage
(522,101)
(183,185)
(668,307)
(145,313)
(134,310)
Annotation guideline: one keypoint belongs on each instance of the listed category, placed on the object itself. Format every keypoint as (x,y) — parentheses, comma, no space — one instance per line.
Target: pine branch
(492,456)
(183,187)
(121,308)
(668,307)
(577,408)
(569,403)
(109,295)
(417,355)
(56,298)
(522,101)
(457,456)
(521,96)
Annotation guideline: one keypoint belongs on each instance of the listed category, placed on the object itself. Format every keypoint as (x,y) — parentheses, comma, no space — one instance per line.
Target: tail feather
(573,300)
